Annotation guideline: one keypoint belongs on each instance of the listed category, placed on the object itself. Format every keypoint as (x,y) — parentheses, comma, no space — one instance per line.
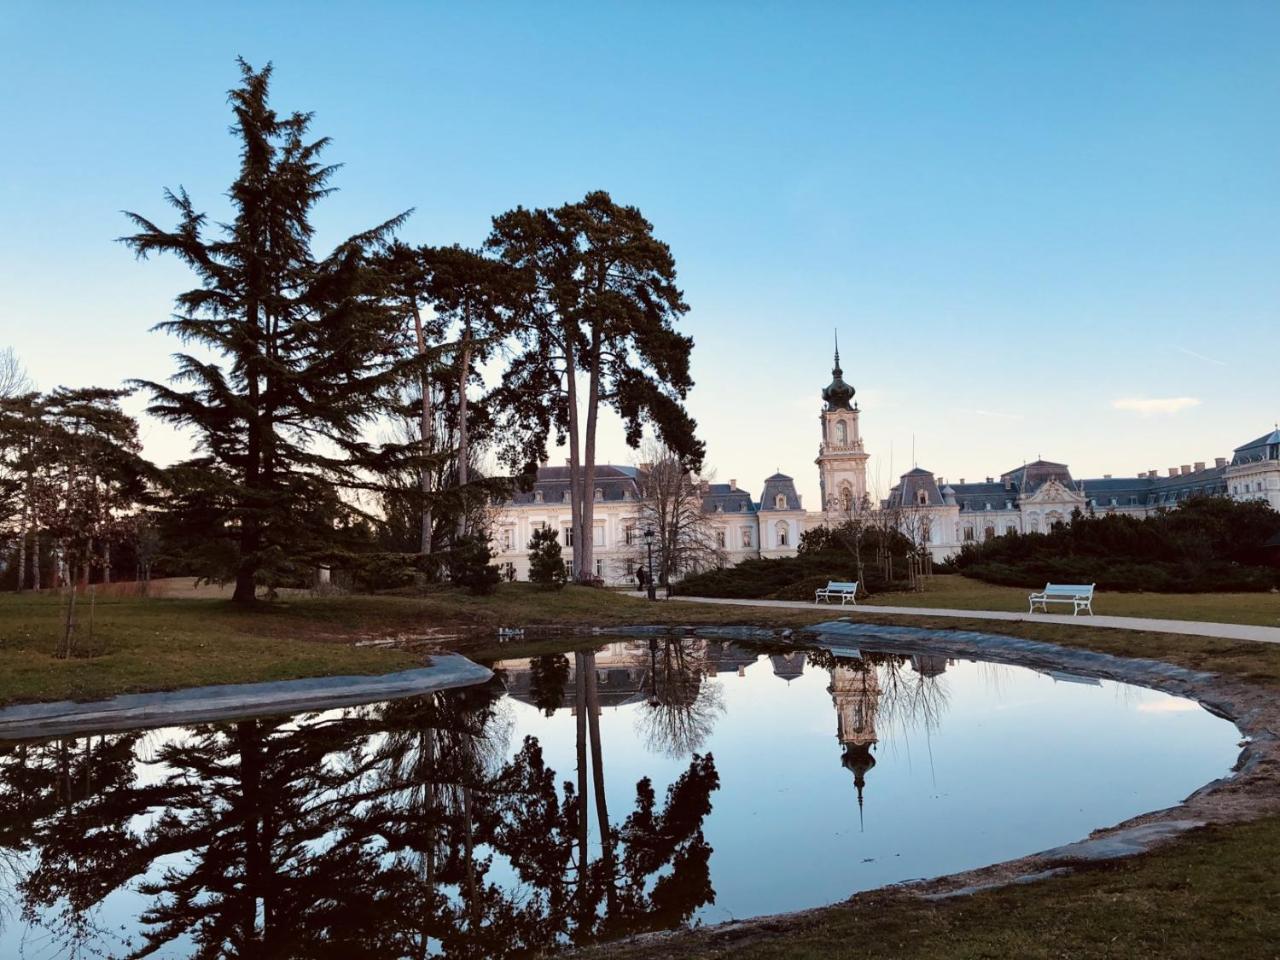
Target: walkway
(1192,628)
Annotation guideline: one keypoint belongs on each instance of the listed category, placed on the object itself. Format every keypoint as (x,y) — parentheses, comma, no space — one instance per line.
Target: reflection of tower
(855,691)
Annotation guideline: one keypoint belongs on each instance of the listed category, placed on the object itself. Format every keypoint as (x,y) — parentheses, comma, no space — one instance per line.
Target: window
(968,533)
(720,539)
(922,497)
(842,432)
(746,536)
(537,496)
(989,533)
(782,530)
(568,569)
(780,501)
(597,535)
(508,538)
(1010,528)
(564,497)
(600,568)
(629,534)
(599,494)
(568,536)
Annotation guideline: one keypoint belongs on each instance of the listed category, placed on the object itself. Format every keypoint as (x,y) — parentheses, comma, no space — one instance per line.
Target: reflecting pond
(730,782)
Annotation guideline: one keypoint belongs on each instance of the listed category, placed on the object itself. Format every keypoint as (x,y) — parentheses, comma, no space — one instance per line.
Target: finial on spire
(837,339)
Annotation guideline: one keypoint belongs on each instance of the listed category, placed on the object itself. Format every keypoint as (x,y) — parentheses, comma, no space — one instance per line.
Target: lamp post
(648,540)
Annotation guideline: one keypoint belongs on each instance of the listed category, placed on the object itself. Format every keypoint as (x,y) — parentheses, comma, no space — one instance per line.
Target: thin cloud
(1201,356)
(1155,406)
(997,414)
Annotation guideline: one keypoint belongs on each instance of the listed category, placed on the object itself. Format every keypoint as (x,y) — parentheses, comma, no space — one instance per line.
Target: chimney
(733,485)
(1106,476)
(989,480)
(1173,471)
(1220,462)
(1153,474)
(1186,468)
(962,481)
(1199,465)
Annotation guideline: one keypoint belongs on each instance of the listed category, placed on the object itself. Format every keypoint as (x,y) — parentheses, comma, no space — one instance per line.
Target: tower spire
(836,369)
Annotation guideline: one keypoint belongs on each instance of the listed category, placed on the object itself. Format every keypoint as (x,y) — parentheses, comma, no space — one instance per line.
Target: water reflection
(440,825)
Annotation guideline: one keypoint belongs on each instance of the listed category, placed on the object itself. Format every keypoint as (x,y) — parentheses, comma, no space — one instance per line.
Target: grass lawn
(961,593)
(1212,894)
(164,643)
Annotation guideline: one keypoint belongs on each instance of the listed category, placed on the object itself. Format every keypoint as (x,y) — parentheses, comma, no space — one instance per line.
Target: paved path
(234,700)
(1193,628)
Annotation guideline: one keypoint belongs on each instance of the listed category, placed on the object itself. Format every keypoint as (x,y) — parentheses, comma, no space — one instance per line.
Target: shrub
(546,565)
(469,565)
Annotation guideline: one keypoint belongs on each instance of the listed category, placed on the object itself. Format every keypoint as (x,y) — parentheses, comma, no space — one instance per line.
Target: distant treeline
(1206,544)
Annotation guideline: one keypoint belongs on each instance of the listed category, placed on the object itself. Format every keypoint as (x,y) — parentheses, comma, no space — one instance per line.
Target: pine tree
(546,567)
(300,348)
(596,296)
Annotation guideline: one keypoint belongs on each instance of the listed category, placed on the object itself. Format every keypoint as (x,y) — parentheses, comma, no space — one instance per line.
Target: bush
(546,565)
(1207,544)
(469,566)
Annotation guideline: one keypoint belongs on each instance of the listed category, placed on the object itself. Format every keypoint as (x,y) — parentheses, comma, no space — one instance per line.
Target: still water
(733,783)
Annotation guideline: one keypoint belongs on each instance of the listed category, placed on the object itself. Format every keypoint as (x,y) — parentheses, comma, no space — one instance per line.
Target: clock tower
(842,462)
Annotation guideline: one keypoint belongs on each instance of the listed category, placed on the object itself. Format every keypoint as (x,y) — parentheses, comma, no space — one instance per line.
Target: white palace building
(1029,498)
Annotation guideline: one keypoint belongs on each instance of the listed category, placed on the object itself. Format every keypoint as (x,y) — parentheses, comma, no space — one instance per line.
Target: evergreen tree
(596,296)
(546,566)
(300,343)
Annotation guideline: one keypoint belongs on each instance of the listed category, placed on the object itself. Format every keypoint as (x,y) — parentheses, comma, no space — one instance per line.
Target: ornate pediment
(1053,491)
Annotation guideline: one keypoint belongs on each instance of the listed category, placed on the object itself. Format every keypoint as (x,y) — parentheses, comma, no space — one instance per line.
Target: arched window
(922,497)
(846,498)
(537,496)
(599,494)
(842,432)
(780,501)
(783,532)
(989,533)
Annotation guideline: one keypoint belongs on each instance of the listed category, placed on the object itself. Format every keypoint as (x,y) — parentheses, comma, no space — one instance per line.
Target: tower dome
(838,394)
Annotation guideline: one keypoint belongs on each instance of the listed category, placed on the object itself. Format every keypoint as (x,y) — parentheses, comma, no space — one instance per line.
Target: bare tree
(686,538)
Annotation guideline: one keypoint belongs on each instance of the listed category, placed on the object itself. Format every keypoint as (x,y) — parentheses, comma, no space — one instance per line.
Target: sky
(1042,229)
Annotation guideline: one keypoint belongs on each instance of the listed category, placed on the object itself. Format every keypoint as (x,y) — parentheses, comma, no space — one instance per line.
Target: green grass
(962,593)
(161,644)
(1213,894)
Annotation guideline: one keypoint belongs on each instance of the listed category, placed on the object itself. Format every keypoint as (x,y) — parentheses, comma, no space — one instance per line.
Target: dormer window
(564,497)
(922,497)
(537,496)
(780,501)
(599,494)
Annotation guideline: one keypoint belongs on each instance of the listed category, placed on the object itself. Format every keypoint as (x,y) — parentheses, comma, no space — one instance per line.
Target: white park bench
(846,591)
(1079,595)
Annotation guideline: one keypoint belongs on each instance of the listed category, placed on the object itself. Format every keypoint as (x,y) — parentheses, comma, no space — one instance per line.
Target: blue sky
(1038,227)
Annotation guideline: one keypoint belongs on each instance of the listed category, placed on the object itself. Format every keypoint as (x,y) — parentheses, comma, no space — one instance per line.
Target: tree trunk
(35,559)
(580,702)
(597,769)
(463,444)
(575,459)
(426,434)
(585,571)
(22,552)
(106,561)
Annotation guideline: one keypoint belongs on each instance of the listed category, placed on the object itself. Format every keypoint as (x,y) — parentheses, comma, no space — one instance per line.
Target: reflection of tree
(548,676)
(373,832)
(682,708)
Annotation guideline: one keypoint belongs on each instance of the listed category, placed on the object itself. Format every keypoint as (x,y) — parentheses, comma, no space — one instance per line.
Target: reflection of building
(929,665)
(728,658)
(788,666)
(622,673)
(855,690)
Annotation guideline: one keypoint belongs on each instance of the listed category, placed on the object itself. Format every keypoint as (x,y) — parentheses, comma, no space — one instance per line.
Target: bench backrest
(1068,589)
(842,586)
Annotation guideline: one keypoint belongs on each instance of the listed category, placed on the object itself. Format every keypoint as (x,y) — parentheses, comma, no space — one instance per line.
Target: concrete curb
(204,704)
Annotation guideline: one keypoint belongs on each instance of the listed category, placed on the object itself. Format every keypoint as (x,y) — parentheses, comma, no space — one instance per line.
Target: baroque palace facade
(945,515)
